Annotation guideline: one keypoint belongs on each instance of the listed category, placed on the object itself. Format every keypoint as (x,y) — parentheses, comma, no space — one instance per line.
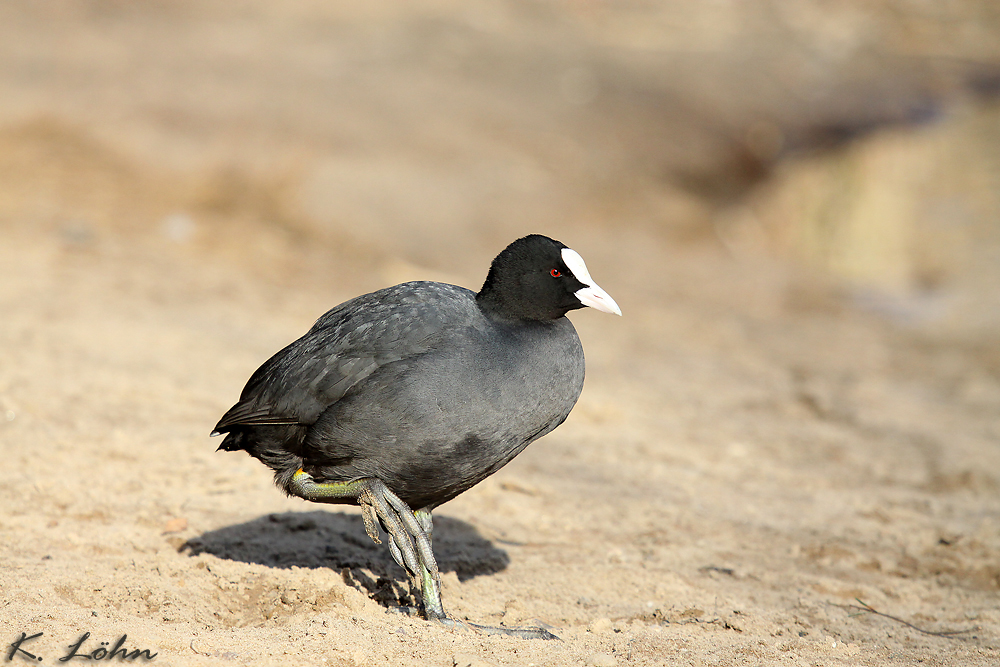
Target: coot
(401,399)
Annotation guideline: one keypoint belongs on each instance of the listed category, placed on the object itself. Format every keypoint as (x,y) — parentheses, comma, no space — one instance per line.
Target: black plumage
(426,387)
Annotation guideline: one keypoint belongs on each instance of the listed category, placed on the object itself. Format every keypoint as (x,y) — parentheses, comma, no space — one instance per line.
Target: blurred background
(859,139)
(796,203)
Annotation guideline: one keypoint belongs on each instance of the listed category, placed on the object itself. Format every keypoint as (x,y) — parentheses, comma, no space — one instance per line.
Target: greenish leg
(409,541)
(431,584)
(303,486)
(410,544)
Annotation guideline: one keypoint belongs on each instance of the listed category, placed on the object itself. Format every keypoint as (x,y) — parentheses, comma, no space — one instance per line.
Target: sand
(759,471)
(740,475)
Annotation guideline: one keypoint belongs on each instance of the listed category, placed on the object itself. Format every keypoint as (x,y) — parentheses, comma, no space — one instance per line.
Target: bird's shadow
(337,540)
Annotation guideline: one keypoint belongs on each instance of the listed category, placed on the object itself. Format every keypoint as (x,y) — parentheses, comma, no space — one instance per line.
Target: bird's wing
(345,346)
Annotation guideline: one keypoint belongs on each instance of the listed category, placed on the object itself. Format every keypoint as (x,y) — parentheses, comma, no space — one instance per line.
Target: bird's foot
(409,532)
(520,633)
(409,541)
(466,626)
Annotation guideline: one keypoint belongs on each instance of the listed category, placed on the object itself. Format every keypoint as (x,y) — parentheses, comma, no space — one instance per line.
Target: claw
(370,518)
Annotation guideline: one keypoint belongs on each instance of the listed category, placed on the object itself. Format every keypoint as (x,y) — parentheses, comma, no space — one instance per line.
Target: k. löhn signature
(102,652)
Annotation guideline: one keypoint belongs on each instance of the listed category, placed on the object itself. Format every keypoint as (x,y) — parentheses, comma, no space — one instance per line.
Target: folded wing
(344,347)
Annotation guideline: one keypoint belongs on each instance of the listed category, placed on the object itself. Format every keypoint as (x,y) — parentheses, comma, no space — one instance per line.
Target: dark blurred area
(860,139)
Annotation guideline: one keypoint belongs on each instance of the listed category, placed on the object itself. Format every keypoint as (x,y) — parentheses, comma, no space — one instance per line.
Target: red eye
(555,273)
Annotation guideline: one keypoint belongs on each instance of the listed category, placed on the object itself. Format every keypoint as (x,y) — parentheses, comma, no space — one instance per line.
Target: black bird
(404,398)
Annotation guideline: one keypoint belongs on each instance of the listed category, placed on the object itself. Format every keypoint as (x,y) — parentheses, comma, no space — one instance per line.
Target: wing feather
(346,345)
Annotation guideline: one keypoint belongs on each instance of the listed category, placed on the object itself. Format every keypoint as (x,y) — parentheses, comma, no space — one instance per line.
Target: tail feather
(233,442)
(273,445)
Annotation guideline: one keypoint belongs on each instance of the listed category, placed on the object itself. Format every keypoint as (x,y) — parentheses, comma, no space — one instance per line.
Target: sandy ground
(755,468)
